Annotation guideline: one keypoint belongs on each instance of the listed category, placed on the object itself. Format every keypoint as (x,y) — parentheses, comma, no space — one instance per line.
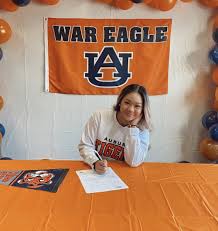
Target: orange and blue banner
(101,56)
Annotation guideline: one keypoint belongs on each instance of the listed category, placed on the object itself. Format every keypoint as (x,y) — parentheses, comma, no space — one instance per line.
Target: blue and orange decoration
(163,5)
(209,145)
(5,34)
(2,129)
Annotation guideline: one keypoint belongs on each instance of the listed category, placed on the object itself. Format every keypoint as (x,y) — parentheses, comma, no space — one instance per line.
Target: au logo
(108,58)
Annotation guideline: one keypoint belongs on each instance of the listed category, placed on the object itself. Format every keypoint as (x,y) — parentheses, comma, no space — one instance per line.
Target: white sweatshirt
(112,141)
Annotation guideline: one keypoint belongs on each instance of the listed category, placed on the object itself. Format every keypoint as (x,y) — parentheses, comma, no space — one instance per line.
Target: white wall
(41,125)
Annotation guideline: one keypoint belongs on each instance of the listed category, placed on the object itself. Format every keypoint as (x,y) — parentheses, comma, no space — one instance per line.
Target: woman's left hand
(136,121)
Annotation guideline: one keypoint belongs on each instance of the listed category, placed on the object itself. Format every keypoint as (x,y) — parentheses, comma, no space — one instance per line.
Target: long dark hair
(146,116)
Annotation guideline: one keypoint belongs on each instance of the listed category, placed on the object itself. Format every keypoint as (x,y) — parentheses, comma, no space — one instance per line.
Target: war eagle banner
(101,56)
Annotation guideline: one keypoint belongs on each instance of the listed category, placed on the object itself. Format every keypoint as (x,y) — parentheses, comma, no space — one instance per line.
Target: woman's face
(131,107)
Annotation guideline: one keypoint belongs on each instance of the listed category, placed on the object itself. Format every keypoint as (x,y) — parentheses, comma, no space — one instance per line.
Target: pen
(103,164)
(96,153)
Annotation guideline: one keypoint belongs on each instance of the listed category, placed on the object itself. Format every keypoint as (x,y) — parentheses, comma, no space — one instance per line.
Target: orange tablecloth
(160,197)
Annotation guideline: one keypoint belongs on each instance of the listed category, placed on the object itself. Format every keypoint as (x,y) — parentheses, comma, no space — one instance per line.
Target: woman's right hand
(101,166)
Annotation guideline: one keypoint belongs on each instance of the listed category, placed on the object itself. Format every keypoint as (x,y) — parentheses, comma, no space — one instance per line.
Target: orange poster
(101,56)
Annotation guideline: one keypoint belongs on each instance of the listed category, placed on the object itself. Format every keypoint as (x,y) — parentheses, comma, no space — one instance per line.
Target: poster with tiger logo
(101,56)
(47,180)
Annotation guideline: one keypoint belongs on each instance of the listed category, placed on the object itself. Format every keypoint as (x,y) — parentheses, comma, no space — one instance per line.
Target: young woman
(120,134)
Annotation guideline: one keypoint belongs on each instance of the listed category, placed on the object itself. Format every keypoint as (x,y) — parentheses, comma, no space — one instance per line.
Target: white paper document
(94,182)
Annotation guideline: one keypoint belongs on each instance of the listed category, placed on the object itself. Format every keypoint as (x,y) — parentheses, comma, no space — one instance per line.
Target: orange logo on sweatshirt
(114,150)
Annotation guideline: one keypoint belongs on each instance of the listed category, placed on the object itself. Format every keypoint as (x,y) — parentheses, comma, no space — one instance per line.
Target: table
(161,197)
